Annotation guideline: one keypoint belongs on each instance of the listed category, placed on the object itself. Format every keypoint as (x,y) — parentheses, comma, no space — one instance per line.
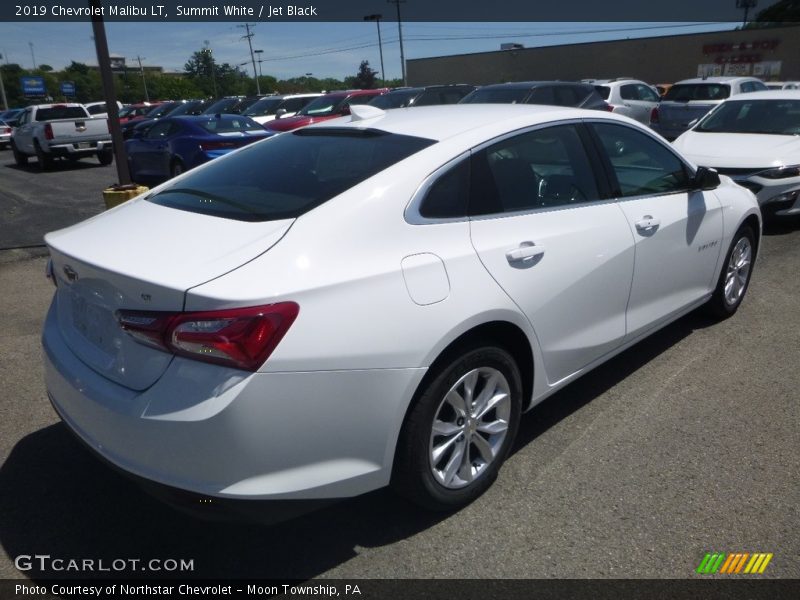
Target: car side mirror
(280,112)
(705,179)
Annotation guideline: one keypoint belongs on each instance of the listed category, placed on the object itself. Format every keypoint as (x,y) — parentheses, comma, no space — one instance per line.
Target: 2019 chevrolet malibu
(755,139)
(375,300)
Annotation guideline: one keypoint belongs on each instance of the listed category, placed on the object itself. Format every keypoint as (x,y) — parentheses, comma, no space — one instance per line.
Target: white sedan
(375,300)
(755,139)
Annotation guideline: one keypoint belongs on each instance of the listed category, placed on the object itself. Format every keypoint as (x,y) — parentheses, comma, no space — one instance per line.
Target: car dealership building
(769,53)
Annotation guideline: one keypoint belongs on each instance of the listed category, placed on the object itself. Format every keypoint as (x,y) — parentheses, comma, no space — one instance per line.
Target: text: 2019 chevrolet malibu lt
(375,300)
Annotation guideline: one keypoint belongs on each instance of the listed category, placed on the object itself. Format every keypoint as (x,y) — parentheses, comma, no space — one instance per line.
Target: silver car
(690,99)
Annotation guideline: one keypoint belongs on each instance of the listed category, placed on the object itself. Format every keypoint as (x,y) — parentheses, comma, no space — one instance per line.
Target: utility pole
(397,4)
(144,81)
(104,61)
(249,38)
(377,19)
(211,62)
(746,5)
(3,88)
(33,58)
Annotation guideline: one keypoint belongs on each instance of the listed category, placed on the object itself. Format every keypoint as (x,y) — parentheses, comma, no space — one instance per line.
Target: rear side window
(628,92)
(97,109)
(60,112)
(539,169)
(603,90)
(230,124)
(288,175)
(447,197)
(642,165)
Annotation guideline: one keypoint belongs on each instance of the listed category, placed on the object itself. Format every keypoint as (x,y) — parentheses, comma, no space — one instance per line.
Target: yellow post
(117,194)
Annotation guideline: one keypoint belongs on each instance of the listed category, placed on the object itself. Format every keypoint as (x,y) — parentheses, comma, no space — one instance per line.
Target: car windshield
(189,108)
(773,117)
(265,106)
(221,106)
(230,124)
(60,112)
(603,90)
(323,106)
(496,96)
(288,175)
(394,99)
(686,92)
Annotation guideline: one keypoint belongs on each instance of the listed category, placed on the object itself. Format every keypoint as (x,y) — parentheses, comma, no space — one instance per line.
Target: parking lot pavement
(685,444)
(33,203)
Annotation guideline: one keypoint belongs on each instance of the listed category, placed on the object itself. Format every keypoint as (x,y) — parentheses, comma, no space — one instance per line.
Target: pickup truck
(49,131)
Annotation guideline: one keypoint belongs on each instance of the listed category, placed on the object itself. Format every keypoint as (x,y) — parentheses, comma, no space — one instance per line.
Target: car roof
(530,84)
(442,122)
(716,80)
(768,95)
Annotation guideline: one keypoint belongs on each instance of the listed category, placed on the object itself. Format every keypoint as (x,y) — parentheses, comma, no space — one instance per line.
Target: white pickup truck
(49,131)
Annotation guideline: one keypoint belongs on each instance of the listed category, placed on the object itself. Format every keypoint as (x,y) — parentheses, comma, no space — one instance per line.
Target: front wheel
(735,276)
(460,429)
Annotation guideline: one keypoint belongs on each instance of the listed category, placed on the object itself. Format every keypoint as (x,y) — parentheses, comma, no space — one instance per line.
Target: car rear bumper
(223,433)
(80,148)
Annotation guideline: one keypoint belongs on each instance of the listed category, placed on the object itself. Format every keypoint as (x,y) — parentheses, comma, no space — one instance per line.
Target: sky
(292,49)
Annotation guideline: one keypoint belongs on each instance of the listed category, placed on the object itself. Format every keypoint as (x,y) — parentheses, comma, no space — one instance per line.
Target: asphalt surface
(685,444)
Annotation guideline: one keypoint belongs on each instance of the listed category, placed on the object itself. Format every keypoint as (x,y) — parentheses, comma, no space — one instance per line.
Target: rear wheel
(176,168)
(19,158)
(460,429)
(105,157)
(45,161)
(735,276)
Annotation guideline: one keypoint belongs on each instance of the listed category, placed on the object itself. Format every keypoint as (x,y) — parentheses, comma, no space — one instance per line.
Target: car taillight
(206,146)
(609,107)
(654,115)
(6,130)
(239,337)
(48,131)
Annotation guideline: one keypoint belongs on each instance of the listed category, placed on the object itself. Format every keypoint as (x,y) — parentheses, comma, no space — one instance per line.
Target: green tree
(365,78)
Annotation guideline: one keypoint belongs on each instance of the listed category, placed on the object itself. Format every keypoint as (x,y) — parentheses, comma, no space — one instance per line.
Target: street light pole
(397,4)
(3,89)
(377,19)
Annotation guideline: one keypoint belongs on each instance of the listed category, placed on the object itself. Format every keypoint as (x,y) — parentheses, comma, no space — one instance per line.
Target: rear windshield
(774,117)
(229,124)
(289,174)
(60,112)
(496,96)
(685,92)
(394,99)
(603,90)
(265,106)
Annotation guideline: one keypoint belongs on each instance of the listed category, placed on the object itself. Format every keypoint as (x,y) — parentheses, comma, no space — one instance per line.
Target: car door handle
(525,253)
(648,223)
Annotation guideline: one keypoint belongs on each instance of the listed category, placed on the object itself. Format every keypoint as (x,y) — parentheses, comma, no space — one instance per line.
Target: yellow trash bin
(117,194)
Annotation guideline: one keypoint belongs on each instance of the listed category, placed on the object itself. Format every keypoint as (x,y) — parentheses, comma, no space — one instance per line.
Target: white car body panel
(380,299)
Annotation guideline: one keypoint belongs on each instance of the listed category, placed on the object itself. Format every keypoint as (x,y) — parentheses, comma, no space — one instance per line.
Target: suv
(558,93)
(423,96)
(630,97)
(690,99)
(329,106)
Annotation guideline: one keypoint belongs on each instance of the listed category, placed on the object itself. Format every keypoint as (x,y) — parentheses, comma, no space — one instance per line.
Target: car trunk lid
(141,256)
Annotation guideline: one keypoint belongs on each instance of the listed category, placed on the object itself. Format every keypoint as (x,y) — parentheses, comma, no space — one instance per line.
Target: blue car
(176,144)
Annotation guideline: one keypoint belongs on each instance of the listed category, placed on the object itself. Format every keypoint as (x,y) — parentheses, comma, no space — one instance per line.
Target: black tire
(721,304)
(416,474)
(45,161)
(176,168)
(105,157)
(19,158)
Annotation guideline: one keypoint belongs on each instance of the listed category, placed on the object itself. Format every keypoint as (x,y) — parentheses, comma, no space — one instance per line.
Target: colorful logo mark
(734,563)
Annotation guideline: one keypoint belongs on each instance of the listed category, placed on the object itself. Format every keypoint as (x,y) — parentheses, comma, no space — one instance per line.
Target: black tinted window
(628,92)
(60,112)
(540,169)
(567,95)
(603,90)
(685,92)
(496,96)
(642,165)
(447,197)
(288,175)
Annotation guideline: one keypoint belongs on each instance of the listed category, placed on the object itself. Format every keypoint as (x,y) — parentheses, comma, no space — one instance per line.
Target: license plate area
(92,322)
